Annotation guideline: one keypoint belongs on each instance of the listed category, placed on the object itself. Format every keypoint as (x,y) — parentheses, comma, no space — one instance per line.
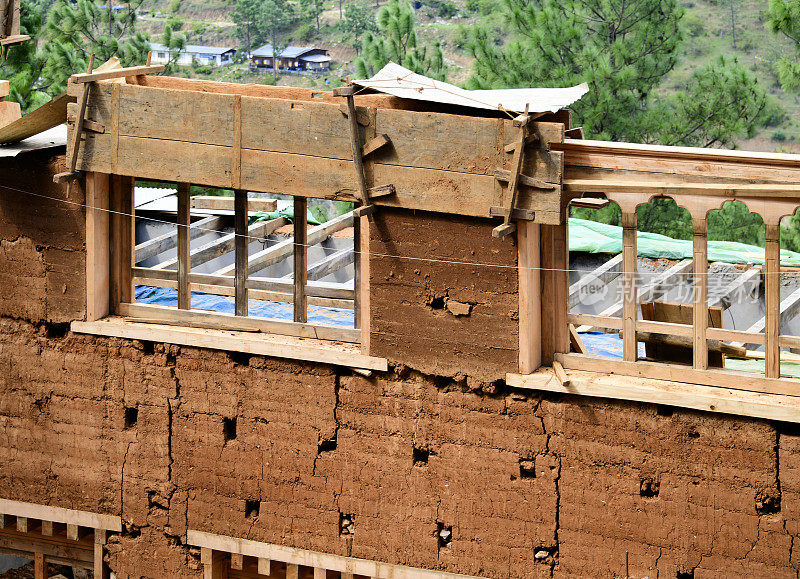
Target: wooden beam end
(67,177)
(503,230)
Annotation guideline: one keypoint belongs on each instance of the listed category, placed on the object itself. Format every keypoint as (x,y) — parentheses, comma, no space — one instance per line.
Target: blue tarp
(163,296)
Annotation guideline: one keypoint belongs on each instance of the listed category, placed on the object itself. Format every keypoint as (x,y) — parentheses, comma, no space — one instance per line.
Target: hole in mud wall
(251,508)
(421,455)
(241,358)
(347,524)
(664,410)
(229,428)
(326,445)
(768,502)
(527,469)
(148,348)
(684,575)
(649,487)
(445,535)
(131,417)
(693,434)
(436,303)
(56,331)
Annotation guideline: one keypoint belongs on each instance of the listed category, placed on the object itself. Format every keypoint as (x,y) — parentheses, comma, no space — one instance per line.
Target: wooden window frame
(556,319)
(111,274)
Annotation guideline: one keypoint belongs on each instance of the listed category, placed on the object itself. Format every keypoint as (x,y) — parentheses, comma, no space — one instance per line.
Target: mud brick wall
(171,438)
(435,315)
(42,236)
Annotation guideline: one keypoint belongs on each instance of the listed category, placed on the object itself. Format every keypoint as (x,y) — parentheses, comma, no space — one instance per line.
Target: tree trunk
(340,11)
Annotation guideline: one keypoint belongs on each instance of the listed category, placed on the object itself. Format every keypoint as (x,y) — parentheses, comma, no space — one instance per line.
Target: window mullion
(241,251)
(300,259)
(184,263)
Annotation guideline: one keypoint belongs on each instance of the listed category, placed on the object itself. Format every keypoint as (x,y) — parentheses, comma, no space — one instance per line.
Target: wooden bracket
(361,118)
(381,140)
(67,177)
(529,140)
(516,213)
(504,176)
(523,122)
(80,119)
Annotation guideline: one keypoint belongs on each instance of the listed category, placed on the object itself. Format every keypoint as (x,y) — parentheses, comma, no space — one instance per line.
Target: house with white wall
(193,54)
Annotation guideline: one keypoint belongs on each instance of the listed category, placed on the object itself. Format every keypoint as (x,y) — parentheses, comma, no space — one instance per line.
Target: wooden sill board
(290,347)
(707,398)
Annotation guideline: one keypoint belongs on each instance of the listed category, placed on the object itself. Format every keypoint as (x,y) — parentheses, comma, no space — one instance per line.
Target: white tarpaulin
(398,81)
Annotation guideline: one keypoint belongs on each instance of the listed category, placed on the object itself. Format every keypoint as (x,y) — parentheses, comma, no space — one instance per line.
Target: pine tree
(23,65)
(358,20)
(246,16)
(396,41)
(783,18)
(275,19)
(623,49)
(75,30)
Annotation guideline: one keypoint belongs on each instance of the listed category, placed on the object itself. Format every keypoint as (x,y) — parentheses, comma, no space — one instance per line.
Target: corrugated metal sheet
(55,137)
(398,81)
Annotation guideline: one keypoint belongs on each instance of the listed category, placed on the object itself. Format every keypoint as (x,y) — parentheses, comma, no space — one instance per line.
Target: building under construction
(433,382)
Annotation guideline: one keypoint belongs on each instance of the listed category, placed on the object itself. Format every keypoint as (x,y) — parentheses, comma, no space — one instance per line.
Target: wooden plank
(241,248)
(22,524)
(225,243)
(97,246)
(317,289)
(630,300)
(320,573)
(560,373)
(116,73)
(227,203)
(530,294)
(78,554)
(157,245)
(283,249)
(292,571)
(739,337)
(313,559)
(184,222)
(275,345)
(45,117)
(121,235)
(772,299)
(575,341)
(298,329)
(73,532)
(700,309)
(593,281)
(39,566)
(357,266)
(331,263)
(510,200)
(47,528)
(361,283)
(679,373)
(300,250)
(653,391)
(667,188)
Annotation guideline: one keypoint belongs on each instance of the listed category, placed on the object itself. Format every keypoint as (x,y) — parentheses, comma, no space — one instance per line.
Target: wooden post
(356,272)
(300,259)
(122,239)
(237,561)
(772,300)
(629,297)
(39,566)
(700,310)
(184,263)
(362,289)
(241,245)
(100,569)
(319,573)
(97,251)
(214,566)
(73,532)
(264,566)
(530,295)
(47,528)
(292,571)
